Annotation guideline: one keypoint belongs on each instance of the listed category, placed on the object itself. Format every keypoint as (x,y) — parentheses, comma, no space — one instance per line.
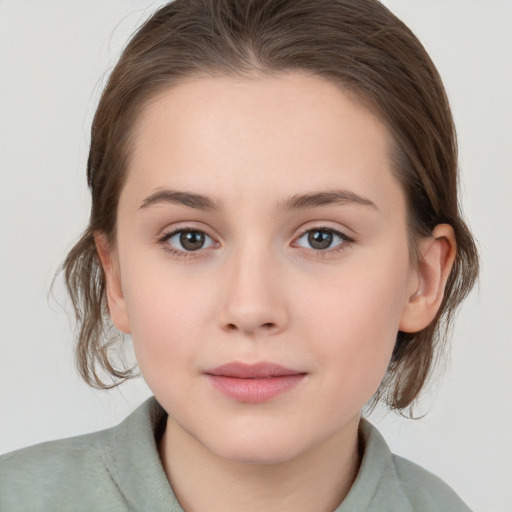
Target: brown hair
(358,44)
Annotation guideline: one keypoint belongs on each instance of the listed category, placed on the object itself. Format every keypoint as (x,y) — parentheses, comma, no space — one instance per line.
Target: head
(193,50)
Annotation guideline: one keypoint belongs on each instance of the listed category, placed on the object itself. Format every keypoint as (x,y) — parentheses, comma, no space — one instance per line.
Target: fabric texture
(119,469)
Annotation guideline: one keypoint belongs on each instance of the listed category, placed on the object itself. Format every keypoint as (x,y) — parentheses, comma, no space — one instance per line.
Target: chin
(257,447)
(258,455)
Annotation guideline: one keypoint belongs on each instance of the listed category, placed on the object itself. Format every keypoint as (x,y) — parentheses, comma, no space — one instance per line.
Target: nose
(254,295)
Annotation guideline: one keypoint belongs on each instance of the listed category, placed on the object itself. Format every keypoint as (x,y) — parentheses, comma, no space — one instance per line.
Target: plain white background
(54,57)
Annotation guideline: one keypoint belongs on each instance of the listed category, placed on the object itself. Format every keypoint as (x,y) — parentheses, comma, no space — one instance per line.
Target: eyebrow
(190,199)
(303,201)
(295,202)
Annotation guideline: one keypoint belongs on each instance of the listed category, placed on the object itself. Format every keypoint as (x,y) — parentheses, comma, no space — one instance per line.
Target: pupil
(320,239)
(192,240)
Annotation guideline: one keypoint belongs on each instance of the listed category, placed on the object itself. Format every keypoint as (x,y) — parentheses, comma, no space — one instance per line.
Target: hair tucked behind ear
(357,44)
(86,286)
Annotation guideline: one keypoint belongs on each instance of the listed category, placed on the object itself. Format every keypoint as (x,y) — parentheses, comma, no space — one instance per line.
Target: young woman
(275,223)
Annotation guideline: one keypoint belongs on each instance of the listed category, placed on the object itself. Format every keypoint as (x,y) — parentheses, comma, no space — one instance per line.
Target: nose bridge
(253,296)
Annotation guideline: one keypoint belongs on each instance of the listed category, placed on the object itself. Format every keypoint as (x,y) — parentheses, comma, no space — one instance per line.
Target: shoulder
(56,473)
(99,471)
(96,471)
(423,490)
(390,483)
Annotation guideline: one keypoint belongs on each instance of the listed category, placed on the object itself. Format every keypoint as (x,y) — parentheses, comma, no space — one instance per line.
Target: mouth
(253,383)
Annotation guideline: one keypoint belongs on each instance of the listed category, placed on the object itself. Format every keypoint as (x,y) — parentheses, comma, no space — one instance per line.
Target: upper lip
(260,370)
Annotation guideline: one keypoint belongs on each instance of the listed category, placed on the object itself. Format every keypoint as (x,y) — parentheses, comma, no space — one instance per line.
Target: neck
(318,479)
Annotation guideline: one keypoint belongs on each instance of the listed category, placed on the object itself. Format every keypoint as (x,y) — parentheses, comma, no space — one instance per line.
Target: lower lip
(255,390)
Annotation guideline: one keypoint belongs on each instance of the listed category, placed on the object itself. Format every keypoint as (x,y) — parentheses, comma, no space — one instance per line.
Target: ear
(110,263)
(426,292)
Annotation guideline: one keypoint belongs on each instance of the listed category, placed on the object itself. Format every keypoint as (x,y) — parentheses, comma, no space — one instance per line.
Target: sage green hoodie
(119,469)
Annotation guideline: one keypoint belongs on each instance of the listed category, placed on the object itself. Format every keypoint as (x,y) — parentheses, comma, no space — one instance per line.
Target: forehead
(291,132)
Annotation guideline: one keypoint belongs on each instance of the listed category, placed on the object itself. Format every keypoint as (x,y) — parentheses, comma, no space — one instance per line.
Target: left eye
(323,238)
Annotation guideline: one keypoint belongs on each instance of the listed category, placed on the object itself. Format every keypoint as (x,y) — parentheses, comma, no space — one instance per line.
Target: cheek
(166,318)
(172,310)
(355,325)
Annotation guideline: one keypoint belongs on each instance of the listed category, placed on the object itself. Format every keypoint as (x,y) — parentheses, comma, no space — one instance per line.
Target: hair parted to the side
(359,45)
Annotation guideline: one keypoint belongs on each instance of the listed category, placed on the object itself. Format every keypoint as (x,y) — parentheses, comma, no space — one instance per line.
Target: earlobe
(115,296)
(437,254)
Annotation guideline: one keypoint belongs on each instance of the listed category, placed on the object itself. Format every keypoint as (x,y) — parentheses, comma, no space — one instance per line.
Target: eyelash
(346,241)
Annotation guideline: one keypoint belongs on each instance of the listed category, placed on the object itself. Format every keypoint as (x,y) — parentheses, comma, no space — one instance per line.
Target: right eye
(183,241)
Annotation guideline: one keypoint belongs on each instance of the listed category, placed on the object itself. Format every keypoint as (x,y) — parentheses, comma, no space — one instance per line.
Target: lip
(253,383)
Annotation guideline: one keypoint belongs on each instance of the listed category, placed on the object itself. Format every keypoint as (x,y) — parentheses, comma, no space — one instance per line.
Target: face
(262,261)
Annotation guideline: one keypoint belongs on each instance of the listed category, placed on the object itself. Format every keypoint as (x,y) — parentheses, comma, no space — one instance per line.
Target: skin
(258,290)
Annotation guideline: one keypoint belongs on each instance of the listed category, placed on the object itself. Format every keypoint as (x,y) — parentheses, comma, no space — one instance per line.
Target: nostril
(266,326)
